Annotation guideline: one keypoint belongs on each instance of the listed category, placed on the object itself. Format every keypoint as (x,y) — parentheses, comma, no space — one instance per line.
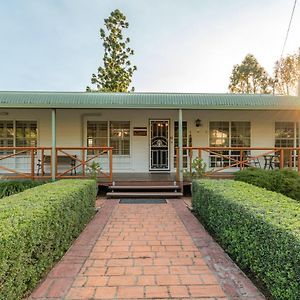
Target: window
(184,142)
(6,133)
(114,134)
(120,137)
(219,134)
(18,133)
(286,134)
(26,134)
(240,134)
(97,135)
(228,134)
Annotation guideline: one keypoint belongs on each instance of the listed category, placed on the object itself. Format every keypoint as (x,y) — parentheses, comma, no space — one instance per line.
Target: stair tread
(143,194)
(143,187)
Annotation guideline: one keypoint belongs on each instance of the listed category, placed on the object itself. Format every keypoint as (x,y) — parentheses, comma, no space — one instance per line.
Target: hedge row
(11,187)
(37,226)
(285,181)
(259,229)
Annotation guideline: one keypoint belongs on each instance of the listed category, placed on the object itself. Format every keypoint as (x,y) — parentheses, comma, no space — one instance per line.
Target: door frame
(149,146)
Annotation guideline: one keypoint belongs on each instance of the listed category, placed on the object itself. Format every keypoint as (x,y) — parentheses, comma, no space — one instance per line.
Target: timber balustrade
(70,162)
(226,159)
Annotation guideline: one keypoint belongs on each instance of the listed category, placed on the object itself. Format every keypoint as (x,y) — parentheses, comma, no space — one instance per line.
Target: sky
(180,45)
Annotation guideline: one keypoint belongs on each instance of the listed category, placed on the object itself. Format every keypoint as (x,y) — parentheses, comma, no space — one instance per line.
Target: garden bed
(259,229)
(37,226)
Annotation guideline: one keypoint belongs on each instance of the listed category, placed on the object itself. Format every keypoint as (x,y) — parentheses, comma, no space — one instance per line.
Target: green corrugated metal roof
(146,100)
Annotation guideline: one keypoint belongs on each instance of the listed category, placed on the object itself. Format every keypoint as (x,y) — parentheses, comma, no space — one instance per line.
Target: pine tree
(116,73)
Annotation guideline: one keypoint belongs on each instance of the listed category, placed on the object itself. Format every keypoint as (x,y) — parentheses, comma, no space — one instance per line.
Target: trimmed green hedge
(285,181)
(11,187)
(37,226)
(259,229)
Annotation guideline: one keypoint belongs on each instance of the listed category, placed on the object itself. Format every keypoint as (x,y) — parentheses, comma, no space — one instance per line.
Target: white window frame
(229,139)
(296,128)
(14,120)
(96,119)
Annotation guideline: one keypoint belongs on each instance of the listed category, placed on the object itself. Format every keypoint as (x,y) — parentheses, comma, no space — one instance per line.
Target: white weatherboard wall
(71,128)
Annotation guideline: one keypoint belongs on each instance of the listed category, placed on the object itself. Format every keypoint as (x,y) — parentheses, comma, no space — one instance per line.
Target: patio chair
(254,160)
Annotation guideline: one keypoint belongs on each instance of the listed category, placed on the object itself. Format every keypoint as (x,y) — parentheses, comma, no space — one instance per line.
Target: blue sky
(180,45)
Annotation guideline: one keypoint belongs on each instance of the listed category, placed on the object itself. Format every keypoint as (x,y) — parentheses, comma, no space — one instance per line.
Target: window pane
(219,134)
(184,141)
(6,135)
(120,137)
(7,129)
(26,133)
(240,134)
(285,134)
(97,134)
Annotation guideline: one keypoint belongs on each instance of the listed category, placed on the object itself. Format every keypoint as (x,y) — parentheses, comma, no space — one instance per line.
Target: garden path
(145,251)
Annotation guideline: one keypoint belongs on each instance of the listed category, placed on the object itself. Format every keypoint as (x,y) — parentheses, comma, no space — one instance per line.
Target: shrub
(259,229)
(198,169)
(10,187)
(285,181)
(37,226)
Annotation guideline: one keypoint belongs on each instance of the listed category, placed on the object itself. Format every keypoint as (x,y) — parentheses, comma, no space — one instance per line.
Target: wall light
(198,123)
(3,113)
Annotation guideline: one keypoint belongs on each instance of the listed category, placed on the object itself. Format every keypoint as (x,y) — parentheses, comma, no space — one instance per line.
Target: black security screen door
(159,145)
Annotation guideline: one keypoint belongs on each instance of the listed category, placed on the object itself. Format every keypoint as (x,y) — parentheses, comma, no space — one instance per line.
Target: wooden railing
(70,162)
(220,159)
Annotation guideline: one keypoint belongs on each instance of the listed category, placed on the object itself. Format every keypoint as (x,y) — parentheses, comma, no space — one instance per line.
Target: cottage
(131,135)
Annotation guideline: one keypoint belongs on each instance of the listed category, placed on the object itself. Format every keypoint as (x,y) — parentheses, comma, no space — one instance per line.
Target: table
(269,161)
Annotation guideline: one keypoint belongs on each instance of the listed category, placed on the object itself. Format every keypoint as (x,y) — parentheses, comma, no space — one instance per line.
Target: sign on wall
(140,131)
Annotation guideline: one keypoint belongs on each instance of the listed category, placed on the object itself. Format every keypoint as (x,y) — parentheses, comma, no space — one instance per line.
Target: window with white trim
(120,137)
(97,134)
(184,142)
(7,133)
(228,134)
(114,134)
(26,133)
(18,134)
(286,134)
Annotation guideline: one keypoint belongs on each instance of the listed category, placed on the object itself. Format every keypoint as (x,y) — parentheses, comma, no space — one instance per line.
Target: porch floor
(154,178)
(142,178)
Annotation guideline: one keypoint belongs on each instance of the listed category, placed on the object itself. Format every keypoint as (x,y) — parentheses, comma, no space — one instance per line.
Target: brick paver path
(143,252)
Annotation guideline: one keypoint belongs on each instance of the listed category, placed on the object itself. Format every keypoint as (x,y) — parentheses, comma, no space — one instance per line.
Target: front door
(159,145)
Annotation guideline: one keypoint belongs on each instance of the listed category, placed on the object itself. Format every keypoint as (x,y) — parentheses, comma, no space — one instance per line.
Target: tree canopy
(287,74)
(249,77)
(116,73)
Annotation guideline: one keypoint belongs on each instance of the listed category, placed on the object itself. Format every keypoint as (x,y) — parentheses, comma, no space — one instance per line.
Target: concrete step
(144,187)
(144,194)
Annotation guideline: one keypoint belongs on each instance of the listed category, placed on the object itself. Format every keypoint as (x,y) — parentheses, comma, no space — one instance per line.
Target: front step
(145,191)
(144,187)
(144,194)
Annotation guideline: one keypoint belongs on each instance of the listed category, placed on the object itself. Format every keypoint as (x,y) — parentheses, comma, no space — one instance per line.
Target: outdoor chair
(61,159)
(254,160)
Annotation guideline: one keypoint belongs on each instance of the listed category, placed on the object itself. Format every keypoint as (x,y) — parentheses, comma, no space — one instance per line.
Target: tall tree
(249,77)
(116,73)
(287,74)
